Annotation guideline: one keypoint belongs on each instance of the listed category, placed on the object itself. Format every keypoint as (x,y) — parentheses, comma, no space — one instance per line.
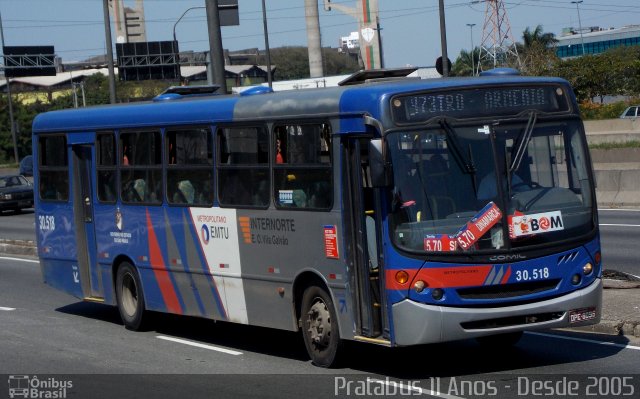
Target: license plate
(580,315)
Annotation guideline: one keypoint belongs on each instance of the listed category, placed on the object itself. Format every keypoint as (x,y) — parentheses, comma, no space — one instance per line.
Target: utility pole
(367,15)
(9,100)
(266,44)
(216,55)
(107,34)
(313,38)
(443,41)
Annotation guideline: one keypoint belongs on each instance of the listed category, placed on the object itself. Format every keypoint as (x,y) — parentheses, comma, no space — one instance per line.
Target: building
(596,40)
(129,22)
(351,42)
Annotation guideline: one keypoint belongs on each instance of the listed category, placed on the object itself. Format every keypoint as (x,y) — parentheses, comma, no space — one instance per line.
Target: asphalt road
(620,235)
(48,334)
(18,225)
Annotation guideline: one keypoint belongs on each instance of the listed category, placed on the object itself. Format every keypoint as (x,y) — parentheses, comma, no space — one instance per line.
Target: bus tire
(320,327)
(500,340)
(130,297)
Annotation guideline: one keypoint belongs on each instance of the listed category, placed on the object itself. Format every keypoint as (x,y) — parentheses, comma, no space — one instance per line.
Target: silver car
(631,112)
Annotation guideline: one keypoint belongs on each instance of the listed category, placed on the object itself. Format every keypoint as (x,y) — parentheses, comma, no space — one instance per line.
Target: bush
(595,111)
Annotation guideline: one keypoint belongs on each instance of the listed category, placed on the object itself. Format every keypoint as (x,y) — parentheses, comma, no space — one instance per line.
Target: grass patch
(611,146)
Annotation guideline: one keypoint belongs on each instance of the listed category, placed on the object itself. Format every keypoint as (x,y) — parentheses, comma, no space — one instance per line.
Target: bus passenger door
(361,207)
(83,216)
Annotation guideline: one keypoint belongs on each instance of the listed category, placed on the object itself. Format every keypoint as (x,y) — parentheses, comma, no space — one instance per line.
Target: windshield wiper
(523,142)
(465,164)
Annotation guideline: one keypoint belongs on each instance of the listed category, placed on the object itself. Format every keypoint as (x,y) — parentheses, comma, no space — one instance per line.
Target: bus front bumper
(417,323)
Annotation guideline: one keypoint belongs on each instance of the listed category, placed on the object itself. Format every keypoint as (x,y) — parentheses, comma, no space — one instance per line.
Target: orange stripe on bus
(158,266)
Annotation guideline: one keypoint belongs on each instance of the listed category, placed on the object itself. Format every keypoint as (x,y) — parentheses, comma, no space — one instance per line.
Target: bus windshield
(475,187)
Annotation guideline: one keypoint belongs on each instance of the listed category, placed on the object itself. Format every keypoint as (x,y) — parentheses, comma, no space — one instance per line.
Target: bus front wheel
(320,327)
(129,297)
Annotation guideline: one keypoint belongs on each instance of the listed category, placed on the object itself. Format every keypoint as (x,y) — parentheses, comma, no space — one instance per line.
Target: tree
(537,53)
(538,36)
(467,63)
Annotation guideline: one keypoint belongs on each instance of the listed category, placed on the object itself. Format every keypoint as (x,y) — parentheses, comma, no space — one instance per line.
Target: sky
(410,28)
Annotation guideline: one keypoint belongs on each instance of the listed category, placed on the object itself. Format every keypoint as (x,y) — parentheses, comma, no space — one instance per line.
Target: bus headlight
(419,286)
(587,269)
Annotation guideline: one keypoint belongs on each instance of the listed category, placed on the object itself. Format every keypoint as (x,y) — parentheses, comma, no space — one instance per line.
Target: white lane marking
(7,309)
(619,225)
(402,387)
(199,345)
(590,341)
(619,209)
(19,259)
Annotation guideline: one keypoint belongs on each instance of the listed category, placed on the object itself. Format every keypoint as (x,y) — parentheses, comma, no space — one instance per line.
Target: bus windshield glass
(475,187)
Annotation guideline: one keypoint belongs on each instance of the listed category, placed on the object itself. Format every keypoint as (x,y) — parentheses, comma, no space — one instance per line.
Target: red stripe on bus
(507,274)
(461,276)
(160,271)
(442,277)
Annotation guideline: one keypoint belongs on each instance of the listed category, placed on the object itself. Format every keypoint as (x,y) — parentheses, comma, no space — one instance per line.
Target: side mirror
(381,172)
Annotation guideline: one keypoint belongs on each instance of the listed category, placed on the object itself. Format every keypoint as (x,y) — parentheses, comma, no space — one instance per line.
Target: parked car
(16,192)
(26,166)
(631,112)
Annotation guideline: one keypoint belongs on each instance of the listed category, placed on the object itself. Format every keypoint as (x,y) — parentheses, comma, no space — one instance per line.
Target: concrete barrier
(612,130)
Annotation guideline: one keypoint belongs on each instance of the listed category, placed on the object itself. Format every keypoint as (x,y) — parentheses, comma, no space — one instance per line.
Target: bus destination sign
(479,102)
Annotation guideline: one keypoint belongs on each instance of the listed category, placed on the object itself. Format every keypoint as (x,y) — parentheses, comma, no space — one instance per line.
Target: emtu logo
(204,234)
(245,227)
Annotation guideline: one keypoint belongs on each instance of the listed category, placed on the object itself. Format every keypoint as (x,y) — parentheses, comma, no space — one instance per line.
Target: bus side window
(302,171)
(106,167)
(54,168)
(243,167)
(141,167)
(189,153)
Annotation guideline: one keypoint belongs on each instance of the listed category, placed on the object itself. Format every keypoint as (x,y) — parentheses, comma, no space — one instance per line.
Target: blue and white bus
(392,211)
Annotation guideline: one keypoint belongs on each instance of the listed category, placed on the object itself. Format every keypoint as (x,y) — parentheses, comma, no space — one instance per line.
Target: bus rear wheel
(320,327)
(129,296)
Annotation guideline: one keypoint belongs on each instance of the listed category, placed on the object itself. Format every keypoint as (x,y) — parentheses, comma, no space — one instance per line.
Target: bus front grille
(507,290)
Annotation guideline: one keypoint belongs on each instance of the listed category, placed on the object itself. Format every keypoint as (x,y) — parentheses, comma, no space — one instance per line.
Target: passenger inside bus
(185,193)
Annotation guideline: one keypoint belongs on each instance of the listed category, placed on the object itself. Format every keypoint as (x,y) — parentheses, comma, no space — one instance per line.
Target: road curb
(18,247)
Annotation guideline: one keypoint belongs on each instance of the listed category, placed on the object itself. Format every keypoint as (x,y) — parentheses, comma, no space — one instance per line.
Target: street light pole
(473,62)
(216,55)
(9,100)
(175,41)
(577,3)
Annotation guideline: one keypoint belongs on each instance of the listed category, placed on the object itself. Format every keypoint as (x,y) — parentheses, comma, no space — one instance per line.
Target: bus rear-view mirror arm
(380,168)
